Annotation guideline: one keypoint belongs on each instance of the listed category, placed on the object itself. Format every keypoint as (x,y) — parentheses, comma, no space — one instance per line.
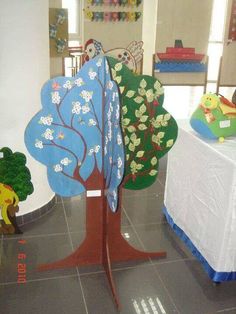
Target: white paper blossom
(97,148)
(114,95)
(76,107)
(92,74)
(91,151)
(118,174)
(107,67)
(66,161)
(106,140)
(55,98)
(119,162)
(86,95)
(68,84)
(109,114)
(119,139)
(46,120)
(38,144)
(117,113)
(99,63)
(110,85)
(114,194)
(48,134)
(105,150)
(113,208)
(110,160)
(79,81)
(57,168)
(92,122)
(85,109)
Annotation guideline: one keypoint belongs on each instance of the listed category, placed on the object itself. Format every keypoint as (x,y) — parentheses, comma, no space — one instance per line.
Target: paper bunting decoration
(111,16)
(77,135)
(149,131)
(215,117)
(115,2)
(15,186)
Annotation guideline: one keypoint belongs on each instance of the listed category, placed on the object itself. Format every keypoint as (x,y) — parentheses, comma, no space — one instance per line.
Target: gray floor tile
(51,223)
(135,290)
(75,209)
(144,210)
(43,297)
(155,189)
(37,250)
(192,290)
(161,237)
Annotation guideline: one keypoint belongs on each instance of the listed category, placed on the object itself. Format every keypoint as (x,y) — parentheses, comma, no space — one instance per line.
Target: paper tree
(149,130)
(78,122)
(15,186)
(77,135)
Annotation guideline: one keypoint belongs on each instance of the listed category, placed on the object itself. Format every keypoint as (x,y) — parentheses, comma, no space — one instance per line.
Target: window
(74,19)
(216,41)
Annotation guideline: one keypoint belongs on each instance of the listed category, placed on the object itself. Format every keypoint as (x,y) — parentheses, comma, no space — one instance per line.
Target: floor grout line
(77,269)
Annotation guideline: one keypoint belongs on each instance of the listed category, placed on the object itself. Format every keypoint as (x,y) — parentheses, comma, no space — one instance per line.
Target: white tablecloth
(200,199)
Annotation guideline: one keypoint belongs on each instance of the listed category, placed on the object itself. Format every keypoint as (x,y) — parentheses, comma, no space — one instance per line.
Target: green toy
(215,117)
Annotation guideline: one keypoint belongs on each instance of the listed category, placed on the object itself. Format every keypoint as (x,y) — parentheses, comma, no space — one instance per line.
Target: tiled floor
(176,284)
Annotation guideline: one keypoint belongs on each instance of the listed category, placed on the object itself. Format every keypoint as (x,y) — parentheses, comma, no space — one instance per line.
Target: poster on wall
(58,32)
(232,23)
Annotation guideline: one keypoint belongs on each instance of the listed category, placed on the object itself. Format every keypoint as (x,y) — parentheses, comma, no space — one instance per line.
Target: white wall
(24,67)
(149,33)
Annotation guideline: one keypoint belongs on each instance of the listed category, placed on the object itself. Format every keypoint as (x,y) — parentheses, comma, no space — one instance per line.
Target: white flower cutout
(68,85)
(76,107)
(38,144)
(119,139)
(46,120)
(55,98)
(92,122)
(66,161)
(119,162)
(79,82)
(86,95)
(57,168)
(85,109)
(99,63)
(97,148)
(92,74)
(48,134)
(110,85)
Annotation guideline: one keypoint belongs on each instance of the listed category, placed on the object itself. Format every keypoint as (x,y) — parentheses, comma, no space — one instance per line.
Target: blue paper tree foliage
(77,133)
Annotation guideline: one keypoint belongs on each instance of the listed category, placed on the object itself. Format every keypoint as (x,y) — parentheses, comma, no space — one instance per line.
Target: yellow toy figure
(9,205)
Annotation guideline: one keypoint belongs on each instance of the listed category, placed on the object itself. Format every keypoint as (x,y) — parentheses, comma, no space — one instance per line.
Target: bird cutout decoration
(131,56)
(77,135)
(215,117)
(149,131)
(15,186)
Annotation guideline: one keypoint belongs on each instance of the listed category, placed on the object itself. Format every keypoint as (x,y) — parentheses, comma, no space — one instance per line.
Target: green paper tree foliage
(14,172)
(149,131)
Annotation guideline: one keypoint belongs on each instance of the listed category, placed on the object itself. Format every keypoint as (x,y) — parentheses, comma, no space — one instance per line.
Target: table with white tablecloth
(200,200)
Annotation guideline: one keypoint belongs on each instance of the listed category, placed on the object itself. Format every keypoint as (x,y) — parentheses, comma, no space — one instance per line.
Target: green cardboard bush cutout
(149,131)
